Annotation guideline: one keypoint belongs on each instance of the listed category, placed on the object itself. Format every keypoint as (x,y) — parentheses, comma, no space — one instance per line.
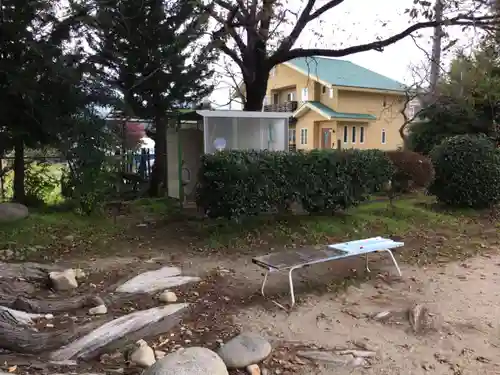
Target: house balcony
(290,106)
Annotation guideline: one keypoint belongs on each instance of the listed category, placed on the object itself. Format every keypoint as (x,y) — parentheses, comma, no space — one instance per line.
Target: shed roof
(244,114)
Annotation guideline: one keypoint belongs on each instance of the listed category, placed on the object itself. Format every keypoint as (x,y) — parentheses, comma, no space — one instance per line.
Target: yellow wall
(383,106)
(285,79)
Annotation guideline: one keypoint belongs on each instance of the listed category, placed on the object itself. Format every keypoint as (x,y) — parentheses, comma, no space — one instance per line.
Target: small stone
(48,316)
(167,297)
(98,310)
(80,274)
(49,325)
(160,354)
(253,370)
(69,238)
(264,371)
(383,315)
(244,350)
(143,355)
(358,362)
(64,280)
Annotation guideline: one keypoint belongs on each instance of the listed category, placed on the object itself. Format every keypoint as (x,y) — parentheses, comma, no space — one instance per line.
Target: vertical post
(179,162)
(235,133)
(205,135)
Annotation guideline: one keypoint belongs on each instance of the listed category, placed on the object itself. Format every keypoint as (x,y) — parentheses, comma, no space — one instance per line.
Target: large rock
(122,331)
(64,280)
(244,350)
(190,361)
(151,281)
(12,212)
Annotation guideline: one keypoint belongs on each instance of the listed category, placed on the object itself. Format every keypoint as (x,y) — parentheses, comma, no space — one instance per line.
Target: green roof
(340,115)
(345,73)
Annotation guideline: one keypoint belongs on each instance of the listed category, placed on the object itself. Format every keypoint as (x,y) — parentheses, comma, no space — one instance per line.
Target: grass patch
(53,233)
(158,207)
(375,218)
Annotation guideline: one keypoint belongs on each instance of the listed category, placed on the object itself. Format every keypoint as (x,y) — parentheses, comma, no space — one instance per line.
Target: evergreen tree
(153,52)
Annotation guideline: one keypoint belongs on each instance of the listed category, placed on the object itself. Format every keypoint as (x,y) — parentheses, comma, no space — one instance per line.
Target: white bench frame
(351,248)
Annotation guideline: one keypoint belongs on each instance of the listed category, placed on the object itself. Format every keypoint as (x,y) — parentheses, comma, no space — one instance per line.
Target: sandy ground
(463,298)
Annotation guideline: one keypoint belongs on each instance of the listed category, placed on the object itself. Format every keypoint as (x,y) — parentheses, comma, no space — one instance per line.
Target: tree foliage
(153,52)
(467,101)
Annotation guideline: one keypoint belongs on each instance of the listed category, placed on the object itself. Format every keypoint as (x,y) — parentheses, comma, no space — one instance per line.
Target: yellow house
(337,104)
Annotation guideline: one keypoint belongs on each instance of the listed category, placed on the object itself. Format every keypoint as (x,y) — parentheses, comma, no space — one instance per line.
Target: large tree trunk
(255,88)
(159,179)
(19,191)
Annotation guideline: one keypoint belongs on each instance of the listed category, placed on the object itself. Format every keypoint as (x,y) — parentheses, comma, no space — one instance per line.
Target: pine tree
(154,52)
(39,83)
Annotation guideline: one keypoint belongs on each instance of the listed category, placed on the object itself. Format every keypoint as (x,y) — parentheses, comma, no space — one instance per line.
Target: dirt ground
(334,311)
(462,298)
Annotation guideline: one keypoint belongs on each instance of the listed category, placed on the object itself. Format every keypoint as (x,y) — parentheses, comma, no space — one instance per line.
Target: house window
(411,112)
(303,136)
(353,134)
(323,90)
(361,134)
(290,96)
(276,98)
(345,134)
(331,92)
(291,135)
(305,94)
(383,136)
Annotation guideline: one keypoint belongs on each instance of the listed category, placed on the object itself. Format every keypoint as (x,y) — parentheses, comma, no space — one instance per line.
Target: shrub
(467,172)
(411,171)
(233,184)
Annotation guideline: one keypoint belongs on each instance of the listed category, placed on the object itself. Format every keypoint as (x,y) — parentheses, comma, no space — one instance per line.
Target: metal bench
(289,261)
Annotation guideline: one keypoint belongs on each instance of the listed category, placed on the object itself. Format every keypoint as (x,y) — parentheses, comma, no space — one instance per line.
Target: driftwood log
(21,339)
(18,283)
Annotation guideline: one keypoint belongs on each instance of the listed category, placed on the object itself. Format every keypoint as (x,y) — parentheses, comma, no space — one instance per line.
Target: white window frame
(330,93)
(290,97)
(411,112)
(305,94)
(353,135)
(303,136)
(384,137)
(361,135)
(292,136)
(345,138)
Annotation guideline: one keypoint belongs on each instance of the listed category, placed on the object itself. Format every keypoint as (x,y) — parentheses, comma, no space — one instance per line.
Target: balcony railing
(285,107)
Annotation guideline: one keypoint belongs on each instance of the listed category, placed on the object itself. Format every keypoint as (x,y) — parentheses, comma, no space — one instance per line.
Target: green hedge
(467,172)
(234,184)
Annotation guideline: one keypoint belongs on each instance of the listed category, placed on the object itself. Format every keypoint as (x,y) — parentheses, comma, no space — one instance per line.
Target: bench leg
(394,261)
(292,292)
(366,263)
(264,283)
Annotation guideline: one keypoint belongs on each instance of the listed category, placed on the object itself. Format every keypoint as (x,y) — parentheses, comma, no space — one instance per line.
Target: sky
(361,21)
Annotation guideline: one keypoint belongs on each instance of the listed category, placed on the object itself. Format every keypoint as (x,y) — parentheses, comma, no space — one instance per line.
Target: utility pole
(436,47)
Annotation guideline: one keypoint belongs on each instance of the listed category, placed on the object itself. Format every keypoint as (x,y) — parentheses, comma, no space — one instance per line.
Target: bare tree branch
(380,44)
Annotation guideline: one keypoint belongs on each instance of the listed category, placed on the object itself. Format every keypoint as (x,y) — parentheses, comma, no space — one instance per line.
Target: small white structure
(244,130)
(221,130)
